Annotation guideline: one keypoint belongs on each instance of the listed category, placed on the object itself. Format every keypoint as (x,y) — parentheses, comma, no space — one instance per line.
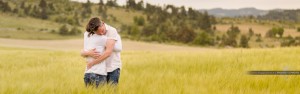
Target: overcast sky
(227,4)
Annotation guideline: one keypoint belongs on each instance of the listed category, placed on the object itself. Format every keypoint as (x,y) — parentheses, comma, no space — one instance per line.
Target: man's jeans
(92,79)
(113,77)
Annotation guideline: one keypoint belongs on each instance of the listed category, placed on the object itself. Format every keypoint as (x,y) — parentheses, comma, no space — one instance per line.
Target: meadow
(203,71)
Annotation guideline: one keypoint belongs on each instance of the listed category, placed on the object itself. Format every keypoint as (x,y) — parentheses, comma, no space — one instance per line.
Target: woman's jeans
(92,79)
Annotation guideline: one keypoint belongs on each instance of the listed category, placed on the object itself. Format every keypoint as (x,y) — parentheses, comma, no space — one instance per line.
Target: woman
(94,43)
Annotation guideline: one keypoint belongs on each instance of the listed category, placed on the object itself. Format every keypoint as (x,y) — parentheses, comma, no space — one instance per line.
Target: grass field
(257,29)
(206,71)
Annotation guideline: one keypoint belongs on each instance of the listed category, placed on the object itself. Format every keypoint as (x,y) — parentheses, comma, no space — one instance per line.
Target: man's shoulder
(110,28)
(111,32)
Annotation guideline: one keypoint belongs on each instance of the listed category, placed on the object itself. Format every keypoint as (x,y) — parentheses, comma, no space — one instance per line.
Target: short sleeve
(118,45)
(112,33)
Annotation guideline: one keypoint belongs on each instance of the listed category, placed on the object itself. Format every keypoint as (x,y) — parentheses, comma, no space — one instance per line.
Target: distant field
(77,45)
(206,71)
(258,29)
(15,27)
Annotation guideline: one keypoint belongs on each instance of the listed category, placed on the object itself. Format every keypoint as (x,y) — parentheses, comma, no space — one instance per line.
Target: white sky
(226,4)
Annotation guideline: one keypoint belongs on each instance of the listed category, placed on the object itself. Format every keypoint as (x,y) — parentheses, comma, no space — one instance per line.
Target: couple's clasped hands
(92,53)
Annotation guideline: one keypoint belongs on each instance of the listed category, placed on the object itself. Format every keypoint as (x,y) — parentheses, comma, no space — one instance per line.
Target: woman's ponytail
(93,25)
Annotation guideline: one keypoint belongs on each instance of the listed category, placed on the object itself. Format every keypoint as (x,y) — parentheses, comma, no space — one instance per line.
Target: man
(111,54)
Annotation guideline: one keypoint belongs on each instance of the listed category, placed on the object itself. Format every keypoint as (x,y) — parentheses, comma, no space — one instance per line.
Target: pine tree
(43,6)
(204,22)
(63,30)
(251,33)
(5,6)
(244,42)
(101,3)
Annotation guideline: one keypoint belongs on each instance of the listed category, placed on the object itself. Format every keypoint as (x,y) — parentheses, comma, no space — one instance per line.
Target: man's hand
(89,65)
(91,53)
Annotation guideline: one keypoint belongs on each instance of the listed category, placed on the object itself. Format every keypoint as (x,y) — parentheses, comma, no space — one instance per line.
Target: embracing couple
(102,48)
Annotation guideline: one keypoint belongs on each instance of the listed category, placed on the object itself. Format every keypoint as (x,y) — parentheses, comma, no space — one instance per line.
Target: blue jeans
(113,77)
(92,79)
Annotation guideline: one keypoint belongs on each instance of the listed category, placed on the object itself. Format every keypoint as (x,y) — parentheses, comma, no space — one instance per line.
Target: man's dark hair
(93,25)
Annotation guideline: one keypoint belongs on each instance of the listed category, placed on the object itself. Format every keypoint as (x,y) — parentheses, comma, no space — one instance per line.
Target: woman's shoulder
(85,33)
(97,37)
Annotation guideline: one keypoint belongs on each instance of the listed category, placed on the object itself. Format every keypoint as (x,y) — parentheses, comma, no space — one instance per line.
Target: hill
(219,12)
(59,19)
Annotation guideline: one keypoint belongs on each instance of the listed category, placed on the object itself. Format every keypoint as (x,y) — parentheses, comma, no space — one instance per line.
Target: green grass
(210,71)
(12,26)
(125,16)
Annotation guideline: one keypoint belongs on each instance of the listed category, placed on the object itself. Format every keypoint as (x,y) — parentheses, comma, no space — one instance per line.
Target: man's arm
(118,45)
(91,53)
(117,48)
(108,50)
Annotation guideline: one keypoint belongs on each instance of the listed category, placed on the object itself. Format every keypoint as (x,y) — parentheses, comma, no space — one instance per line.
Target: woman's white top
(98,42)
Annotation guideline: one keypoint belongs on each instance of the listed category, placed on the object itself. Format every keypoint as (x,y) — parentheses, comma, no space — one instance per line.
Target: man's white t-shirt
(113,62)
(98,42)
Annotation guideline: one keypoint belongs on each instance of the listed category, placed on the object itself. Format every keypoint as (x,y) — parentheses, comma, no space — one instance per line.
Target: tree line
(166,23)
